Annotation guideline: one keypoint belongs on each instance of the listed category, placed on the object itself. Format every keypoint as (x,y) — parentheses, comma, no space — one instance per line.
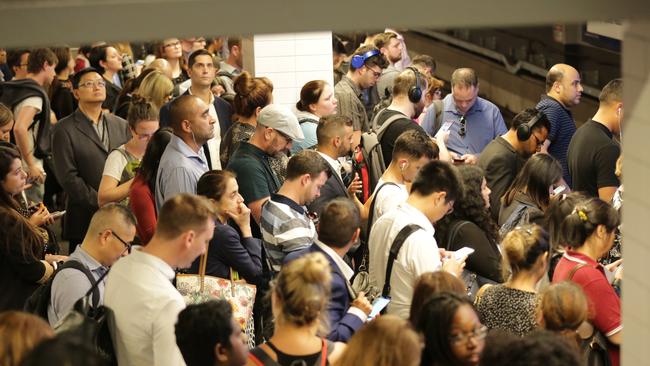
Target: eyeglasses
(450,207)
(376,74)
(92,84)
(477,334)
(172,44)
(127,245)
(538,142)
(463,129)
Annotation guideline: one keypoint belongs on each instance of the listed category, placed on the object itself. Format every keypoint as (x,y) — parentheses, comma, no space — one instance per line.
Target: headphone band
(359,60)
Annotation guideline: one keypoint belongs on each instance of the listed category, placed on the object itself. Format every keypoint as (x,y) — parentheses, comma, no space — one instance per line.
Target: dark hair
(14,56)
(464,77)
(612,92)
(339,220)
(415,144)
(212,184)
(435,323)
(424,60)
(526,116)
(39,56)
(559,208)
(522,247)
(429,284)
(98,54)
(582,222)
(234,41)
(470,206)
(538,348)
(251,93)
(306,162)
(377,60)
(337,45)
(65,349)
(63,56)
(539,173)
(331,126)
(151,159)
(200,327)
(76,78)
(85,49)
(310,94)
(179,110)
(438,176)
(201,52)
(141,109)
(7,157)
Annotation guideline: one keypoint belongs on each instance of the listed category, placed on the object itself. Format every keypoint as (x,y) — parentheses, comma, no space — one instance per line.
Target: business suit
(79,158)
(333,188)
(343,324)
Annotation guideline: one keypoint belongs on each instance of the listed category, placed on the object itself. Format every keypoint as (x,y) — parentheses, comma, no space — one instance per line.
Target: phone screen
(377,306)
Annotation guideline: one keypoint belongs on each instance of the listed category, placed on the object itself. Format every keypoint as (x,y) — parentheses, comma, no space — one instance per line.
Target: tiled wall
(292,59)
(636,176)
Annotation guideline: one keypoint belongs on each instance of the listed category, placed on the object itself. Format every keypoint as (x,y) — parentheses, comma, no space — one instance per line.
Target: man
(366,66)
(432,196)
(183,162)
(339,228)
(202,72)
(593,151)
(504,157)
(109,235)
(285,223)
(563,92)
(406,104)
(474,121)
(139,288)
(233,65)
(425,64)
(277,127)
(335,140)
(80,145)
(17,60)
(208,335)
(391,47)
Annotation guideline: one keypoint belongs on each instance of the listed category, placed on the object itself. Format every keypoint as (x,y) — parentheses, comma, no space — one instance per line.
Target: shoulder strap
(394,251)
(382,129)
(71,263)
(326,350)
(574,270)
(307,120)
(480,293)
(439,106)
(260,358)
(453,230)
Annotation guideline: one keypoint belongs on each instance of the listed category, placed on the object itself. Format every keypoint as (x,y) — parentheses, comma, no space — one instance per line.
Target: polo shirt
(179,170)
(592,158)
(349,97)
(483,123)
(501,163)
(562,129)
(255,177)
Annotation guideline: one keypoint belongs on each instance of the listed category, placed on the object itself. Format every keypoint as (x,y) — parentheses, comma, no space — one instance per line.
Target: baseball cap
(279,117)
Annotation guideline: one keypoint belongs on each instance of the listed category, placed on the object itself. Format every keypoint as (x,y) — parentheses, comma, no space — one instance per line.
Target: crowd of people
(380,221)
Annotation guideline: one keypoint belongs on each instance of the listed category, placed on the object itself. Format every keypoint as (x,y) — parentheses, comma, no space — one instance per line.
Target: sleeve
(387,199)
(251,181)
(606,304)
(553,121)
(499,175)
(486,260)
(144,208)
(66,169)
(35,102)
(67,288)
(428,124)
(343,323)
(243,255)
(605,160)
(165,350)
(114,165)
(499,124)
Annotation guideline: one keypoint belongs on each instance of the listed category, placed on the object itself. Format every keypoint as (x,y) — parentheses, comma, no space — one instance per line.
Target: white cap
(279,117)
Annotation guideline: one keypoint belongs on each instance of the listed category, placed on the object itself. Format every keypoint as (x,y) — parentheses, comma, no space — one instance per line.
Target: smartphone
(463,252)
(377,306)
(55,215)
(459,161)
(559,190)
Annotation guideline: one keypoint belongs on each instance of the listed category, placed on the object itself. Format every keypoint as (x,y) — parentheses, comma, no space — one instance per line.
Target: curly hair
(470,206)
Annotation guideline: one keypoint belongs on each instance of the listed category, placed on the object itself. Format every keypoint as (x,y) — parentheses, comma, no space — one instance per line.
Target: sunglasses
(463,126)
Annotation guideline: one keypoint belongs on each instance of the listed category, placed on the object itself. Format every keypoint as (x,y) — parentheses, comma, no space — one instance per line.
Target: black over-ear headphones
(524,130)
(415,92)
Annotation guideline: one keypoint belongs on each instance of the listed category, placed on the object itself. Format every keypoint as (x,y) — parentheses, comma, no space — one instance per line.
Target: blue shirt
(562,130)
(179,170)
(483,124)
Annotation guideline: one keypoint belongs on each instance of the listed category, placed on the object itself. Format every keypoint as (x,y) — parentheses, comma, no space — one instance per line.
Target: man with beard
(285,223)
(504,156)
(391,47)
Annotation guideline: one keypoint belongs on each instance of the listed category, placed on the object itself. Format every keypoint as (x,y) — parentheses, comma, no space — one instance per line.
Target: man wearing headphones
(593,151)
(366,66)
(504,157)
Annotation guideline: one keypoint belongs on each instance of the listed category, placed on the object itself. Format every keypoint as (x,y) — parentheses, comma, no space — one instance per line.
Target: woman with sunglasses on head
(24,264)
(121,164)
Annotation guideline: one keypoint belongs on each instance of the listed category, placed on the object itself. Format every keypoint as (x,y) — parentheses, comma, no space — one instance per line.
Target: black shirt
(501,164)
(393,131)
(592,158)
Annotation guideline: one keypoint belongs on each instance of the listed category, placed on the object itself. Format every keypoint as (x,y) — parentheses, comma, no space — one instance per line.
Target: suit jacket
(224,113)
(333,188)
(342,324)
(79,158)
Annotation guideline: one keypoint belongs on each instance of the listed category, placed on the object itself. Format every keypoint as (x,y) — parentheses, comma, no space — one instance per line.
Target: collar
(85,118)
(548,98)
(302,115)
(353,86)
(602,127)
(503,142)
(155,262)
(289,202)
(450,106)
(343,267)
(185,149)
(580,258)
(416,217)
(89,260)
(334,163)
(254,150)
(189,91)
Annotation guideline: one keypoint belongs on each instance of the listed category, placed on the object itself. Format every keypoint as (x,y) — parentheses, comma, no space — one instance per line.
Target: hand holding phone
(463,252)
(377,306)
(55,215)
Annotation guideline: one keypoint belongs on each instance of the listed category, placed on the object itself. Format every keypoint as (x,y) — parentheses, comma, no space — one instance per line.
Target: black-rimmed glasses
(463,127)
(127,245)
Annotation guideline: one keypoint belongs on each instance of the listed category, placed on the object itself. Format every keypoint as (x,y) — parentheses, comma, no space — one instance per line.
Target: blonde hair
(522,247)
(156,87)
(385,341)
(303,290)
(19,334)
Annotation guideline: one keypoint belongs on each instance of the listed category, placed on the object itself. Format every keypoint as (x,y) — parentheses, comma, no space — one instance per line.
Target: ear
(305,179)
(356,235)
(221,353)
(102,63)
(75,92)
(186,125)
(188,238)
(440,198)
(104,236)
(257,111)
(601,231)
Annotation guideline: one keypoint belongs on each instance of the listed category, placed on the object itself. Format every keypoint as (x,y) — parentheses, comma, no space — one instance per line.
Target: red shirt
(143,206)
(605,305)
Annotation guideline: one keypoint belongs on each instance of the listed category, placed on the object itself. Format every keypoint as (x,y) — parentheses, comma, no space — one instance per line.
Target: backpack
(518,217)
(39,301)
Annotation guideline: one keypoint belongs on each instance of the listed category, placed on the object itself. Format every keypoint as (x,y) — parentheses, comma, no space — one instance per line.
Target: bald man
(184,161)
(563,92)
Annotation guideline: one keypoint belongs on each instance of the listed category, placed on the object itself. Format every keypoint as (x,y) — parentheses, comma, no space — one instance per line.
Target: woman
(385,341)
(228,249)
(470,225)
(143,188)
(453,333)
(589,233)
(563,308)
(429,284)
(170,49)
(62,102)
(23,262)
(156,87)
(530,193)
(511,306)
(299,302)
(19,334)
(316,100)
(130,87)
(6,123)
(108,63)
(122,162)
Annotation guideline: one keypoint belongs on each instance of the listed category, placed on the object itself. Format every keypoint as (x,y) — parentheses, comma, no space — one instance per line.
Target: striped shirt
(562,129)
(285,228)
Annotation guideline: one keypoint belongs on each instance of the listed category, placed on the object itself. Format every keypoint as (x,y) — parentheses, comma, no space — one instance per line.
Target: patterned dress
(508,309)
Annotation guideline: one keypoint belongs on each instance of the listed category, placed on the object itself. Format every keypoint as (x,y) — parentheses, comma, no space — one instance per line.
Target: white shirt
(418,255)
(334,163)
(146,306)
(215,142)
(388,198)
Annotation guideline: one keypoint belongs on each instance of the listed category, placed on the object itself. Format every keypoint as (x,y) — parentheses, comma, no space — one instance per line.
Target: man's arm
(256,208)
(23,120)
